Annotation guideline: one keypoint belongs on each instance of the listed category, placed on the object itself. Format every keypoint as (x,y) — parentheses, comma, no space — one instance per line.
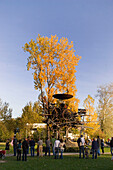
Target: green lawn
(68,163)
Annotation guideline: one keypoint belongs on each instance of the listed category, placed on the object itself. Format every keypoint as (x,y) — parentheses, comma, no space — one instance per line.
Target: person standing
(28,140)
(37,149)
(25,148)
(47,147)
(56,147)
(94,148)
(61,146)
(111,145)
(7,145)
(99,144)
(40,143)
(32,145)
(19,148)
(15,145)
(102,146)
(81,143)
(52,142)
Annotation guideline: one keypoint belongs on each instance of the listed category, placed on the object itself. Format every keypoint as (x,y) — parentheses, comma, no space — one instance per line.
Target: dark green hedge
(71,149)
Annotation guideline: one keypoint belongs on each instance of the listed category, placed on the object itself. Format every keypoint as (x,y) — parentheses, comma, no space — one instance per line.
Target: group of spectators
(57,146)
(95,147)
(28,145)
(24,145)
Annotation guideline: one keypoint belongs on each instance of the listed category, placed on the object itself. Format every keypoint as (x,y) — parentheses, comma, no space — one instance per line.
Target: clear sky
(88,23)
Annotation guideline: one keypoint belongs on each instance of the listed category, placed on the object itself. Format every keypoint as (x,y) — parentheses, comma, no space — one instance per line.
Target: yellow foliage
(53,62)
(91,118)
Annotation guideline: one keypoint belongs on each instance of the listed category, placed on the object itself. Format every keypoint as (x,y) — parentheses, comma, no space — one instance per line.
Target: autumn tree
(105,108)
(91,118)
(53,63)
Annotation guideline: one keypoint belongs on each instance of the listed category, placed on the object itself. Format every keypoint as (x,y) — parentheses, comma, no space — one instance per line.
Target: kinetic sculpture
(62,117)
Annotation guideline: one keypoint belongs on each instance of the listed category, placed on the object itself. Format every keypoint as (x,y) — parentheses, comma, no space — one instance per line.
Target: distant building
(37,125)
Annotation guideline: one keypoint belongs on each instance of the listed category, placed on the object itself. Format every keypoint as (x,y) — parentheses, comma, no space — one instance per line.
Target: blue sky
(88,23)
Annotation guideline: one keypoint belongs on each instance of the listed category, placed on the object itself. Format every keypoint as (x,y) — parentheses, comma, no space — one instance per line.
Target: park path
(68,153)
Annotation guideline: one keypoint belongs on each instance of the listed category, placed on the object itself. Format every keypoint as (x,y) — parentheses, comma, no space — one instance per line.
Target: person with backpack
(19,148)
(81,143)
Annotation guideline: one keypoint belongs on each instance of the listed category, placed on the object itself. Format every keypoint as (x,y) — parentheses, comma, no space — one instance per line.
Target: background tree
(91,118)
(4,133)
(31,113)
(5,111)
(40,133)
(53,63)
(105,109)
(5,121)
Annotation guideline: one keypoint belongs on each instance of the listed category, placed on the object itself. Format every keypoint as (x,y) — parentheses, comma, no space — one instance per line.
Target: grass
(49,163)
(68,163)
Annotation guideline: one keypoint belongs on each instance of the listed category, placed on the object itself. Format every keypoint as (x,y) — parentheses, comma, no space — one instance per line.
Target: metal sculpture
(62,117)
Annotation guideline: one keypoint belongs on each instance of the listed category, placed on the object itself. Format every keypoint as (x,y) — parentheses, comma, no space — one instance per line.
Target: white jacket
(82,141)
(56,144)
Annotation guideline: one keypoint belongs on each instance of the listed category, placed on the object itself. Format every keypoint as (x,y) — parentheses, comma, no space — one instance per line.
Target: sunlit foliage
(105,109)
(91,118)
(53,63)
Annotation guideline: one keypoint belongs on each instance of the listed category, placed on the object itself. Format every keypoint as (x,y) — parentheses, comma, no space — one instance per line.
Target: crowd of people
(96,144)
(23,148)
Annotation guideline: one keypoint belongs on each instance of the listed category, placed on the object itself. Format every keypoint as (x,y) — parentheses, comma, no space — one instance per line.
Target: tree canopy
(53,63)
(105,108)
(5,111)
(91,118)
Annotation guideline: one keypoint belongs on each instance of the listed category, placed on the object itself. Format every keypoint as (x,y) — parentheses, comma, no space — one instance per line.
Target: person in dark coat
(99,144)
(47,150)
(25,148)
(94,148)
(102,146)
(19,148)
(7,145)
(15,145)
(111,145)
(28,140)
(32,145)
